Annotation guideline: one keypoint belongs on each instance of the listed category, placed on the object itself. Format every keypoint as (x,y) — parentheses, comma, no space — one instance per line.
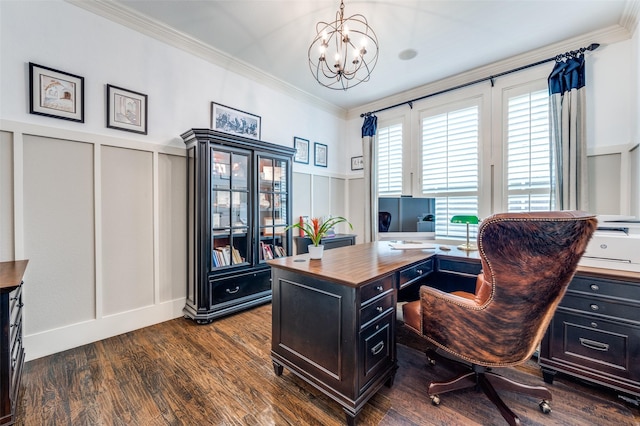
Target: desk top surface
(11,274)
(361,263)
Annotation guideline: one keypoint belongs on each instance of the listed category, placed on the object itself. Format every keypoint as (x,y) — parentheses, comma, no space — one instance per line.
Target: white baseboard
(74,335)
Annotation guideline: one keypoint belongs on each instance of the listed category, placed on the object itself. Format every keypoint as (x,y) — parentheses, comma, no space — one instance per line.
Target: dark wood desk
(334,319)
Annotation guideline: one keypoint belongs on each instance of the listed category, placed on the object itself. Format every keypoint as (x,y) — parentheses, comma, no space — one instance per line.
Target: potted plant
(316,230)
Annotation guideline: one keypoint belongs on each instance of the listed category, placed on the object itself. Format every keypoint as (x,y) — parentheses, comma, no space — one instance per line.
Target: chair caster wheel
(545,407)
(435,400)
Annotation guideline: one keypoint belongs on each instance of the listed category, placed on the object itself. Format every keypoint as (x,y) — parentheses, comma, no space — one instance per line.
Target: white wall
(100,212)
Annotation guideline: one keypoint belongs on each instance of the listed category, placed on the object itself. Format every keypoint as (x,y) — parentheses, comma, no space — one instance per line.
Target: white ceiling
(451,36)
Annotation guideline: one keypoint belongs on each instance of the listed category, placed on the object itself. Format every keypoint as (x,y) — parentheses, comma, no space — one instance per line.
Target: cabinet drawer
(458,266)
(375,309)
(602,306)
(408,275)
(608,287)
(236,287)
(376,342)
(376,288)
(597,344)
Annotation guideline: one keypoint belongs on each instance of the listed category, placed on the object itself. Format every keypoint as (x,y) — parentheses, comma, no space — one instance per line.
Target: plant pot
(315,252)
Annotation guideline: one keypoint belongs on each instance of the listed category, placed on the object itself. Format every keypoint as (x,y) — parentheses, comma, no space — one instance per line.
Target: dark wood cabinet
(238,206)
(11,349)
(595,332)
(339,240)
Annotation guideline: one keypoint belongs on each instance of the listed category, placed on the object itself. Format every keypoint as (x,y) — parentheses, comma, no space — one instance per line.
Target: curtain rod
(591,47)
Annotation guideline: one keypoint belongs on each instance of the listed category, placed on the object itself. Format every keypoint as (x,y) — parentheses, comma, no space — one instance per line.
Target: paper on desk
(412,245)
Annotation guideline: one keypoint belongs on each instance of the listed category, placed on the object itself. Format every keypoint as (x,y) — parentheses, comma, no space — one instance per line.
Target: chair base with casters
(528,260)
(482,379)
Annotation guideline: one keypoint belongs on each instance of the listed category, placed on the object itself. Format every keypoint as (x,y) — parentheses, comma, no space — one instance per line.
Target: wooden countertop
(361,263)
(11,274)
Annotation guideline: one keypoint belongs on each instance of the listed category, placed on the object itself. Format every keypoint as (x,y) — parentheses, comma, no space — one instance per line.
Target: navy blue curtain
(569,178)
(567,75)
(370,125)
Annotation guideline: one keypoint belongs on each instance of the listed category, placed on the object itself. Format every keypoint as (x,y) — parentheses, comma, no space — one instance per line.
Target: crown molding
(630,15)
(605,36)
(130,18)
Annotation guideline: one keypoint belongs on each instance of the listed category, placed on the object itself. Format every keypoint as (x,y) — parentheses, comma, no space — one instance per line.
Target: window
(390,160)
(450,166)
(528,157)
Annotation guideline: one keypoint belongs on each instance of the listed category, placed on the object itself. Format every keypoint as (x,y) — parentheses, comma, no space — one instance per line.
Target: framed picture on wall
(357,163)
(126,110)
(320,157)
(231,120)
(55,93)
(302,150)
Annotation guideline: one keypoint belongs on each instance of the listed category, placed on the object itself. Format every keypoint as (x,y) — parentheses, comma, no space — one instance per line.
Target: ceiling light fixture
(343,52)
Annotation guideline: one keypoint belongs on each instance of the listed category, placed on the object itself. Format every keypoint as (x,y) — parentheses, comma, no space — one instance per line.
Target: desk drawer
(608,287)
(408,275)
(598,344)
(602,306)
(376,309)
(377,345)
(375,288)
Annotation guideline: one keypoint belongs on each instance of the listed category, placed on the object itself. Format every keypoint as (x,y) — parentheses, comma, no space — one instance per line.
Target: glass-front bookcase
(238,207)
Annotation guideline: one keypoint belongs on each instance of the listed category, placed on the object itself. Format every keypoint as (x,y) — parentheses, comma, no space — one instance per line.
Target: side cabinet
(595,333)
(338,338)
(11,349)
(238,207)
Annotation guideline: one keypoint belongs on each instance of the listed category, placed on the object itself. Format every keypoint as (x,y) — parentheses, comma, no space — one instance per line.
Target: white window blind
(528,160)
(450,166)
(390,160)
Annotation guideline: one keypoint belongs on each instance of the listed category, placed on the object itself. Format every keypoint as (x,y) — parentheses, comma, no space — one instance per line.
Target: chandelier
(343,52)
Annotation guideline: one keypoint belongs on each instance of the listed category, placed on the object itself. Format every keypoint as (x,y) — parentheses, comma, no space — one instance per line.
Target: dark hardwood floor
(180,373)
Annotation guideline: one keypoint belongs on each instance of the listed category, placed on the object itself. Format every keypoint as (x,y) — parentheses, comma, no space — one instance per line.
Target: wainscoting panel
(172,200)
(127,229)
(6,195)
(59,234)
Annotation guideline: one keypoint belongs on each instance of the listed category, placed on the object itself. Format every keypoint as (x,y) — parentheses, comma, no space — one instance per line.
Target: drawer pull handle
(379,308)
(379,288)
(591,344)
(419,271)
(235,290)
(377,348)
(595,287)
(594,307)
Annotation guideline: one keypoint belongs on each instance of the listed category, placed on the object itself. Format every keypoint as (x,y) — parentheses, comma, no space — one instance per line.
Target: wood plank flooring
(181,373)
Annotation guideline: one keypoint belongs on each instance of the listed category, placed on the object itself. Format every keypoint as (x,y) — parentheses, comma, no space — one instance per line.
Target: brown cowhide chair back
(528,260)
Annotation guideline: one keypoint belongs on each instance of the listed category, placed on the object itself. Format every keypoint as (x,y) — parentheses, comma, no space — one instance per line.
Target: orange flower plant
(316,230)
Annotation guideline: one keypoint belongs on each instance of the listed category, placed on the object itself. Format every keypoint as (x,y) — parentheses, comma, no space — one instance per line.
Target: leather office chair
(384,221)
(528,260)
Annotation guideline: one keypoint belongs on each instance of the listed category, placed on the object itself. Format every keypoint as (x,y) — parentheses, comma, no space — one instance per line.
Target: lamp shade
(469,219)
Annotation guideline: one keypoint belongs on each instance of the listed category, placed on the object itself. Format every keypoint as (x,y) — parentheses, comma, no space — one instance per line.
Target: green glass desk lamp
(469,220)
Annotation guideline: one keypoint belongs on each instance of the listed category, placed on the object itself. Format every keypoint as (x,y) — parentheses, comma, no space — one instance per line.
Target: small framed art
(320,157)
(302,150)
(357,163)
(231,120)
(55,93)
(126,110)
